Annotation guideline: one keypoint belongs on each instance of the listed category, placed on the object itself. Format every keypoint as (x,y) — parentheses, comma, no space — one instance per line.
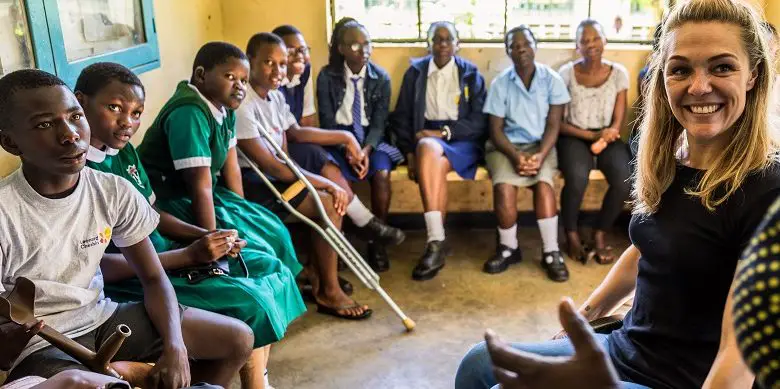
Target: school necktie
(357,123)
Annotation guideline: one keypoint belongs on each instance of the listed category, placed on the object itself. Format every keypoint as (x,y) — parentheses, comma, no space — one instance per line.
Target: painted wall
(182,27)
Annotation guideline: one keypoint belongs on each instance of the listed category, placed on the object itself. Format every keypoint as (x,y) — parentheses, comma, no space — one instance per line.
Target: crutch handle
(409,324)
(293,190)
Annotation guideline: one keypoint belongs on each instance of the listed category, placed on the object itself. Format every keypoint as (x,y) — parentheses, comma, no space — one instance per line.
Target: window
(629,21)
(64,36)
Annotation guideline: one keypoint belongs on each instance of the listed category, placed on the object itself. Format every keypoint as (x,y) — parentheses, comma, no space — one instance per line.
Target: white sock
(265,378)
(508,237)
(434,225)
(549,229)
(358,212)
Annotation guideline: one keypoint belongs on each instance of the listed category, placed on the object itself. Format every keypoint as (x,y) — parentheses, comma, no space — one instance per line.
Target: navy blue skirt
(464,156)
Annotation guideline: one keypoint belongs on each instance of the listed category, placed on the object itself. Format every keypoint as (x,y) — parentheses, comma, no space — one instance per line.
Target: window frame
(421,30)
(48,43)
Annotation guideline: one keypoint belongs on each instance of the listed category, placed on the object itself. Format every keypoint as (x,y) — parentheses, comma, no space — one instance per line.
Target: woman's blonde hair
(752,146)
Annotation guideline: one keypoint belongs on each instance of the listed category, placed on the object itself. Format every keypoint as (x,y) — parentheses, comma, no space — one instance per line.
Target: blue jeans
(476,369)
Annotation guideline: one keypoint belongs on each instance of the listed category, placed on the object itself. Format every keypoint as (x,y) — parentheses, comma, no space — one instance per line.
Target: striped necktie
(357,123)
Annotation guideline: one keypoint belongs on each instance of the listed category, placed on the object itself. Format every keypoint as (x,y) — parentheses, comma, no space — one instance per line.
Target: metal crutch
(330,233)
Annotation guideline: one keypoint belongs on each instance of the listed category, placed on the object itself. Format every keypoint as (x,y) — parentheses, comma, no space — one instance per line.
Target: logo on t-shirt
(101,238)
(133,172)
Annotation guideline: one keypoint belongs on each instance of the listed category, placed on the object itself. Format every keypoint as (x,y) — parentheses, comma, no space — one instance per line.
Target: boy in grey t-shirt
(56,219)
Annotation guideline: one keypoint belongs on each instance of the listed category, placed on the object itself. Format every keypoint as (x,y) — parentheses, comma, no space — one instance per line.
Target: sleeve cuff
(187,163)
(141,235)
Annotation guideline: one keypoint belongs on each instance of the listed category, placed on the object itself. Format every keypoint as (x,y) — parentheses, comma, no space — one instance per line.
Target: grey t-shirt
(58,244)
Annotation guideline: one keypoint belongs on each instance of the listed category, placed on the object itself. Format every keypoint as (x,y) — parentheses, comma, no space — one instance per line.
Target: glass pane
(93,27)
(629,19)
(548,19)
(15,46)
(384,19)
(474,19)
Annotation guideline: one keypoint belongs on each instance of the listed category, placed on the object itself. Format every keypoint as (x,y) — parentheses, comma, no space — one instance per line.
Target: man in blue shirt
(525,106)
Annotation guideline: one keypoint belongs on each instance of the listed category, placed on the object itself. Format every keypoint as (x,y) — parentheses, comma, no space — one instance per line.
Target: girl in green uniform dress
(266,298)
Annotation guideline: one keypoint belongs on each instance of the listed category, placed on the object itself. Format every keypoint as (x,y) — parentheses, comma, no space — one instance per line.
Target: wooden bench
(476,195)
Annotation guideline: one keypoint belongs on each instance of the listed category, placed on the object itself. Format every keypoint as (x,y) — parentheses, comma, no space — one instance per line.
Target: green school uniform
(190,132)
(267,300)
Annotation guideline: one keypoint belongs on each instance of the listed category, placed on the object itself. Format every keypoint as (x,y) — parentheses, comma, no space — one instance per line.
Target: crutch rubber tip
(409,324)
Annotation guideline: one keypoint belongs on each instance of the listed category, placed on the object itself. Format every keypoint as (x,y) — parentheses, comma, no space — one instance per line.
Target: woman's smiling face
(707,75)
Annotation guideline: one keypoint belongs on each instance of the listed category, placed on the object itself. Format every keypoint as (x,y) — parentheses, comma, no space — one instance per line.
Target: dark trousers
(575,162)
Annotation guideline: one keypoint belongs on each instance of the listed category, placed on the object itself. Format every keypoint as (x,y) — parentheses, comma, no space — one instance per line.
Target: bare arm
(499,139)
(729,370)
(198,181)
(231,173)
(115,268)
(256,150)
(616,288)
(569,129)
(175,228)
(302,134)
(619,113)
(551,129)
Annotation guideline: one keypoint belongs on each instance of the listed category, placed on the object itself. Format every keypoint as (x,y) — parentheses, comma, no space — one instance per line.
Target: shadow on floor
(451,311)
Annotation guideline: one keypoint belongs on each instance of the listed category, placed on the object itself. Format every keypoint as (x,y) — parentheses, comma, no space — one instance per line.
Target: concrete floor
(451,311)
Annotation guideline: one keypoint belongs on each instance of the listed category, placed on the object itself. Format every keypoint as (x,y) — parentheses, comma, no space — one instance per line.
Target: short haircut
(263,38)
(589,23)
(216,53)
(96,76)
(285,30)
(19,80)
(515,30)
(442,23)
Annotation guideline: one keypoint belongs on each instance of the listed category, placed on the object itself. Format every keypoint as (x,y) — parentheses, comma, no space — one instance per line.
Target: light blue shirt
(525,110)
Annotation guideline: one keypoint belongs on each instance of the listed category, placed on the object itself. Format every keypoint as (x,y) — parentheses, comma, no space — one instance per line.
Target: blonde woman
(710,81)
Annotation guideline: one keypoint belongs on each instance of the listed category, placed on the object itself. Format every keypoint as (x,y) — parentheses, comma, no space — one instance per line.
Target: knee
(78,379)
(576,179)
(428,147)
(241,340)
(381,177)
(474,370)
(330,208)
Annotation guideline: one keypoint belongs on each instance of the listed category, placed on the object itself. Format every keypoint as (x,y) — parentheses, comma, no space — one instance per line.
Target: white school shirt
(442,92)
(58,244)
(271,114)
(308,93)
(344,114)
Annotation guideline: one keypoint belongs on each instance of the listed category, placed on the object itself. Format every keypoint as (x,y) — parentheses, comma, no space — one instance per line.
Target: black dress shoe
(432,261)
(501,260)
(377,231)
(552,262)
(377,257)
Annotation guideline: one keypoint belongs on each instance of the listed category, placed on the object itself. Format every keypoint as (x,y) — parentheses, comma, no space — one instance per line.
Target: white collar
(98,156)
(296,80)
(219,114)
(432,68)
(348,72)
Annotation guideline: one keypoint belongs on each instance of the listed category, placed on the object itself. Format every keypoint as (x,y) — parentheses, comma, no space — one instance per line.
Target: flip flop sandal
(604,256)
(335,312)
(584,255)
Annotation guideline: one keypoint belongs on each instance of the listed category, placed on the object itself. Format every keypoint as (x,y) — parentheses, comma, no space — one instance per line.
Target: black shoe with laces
(432,260)
(377,257)
(379,232)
